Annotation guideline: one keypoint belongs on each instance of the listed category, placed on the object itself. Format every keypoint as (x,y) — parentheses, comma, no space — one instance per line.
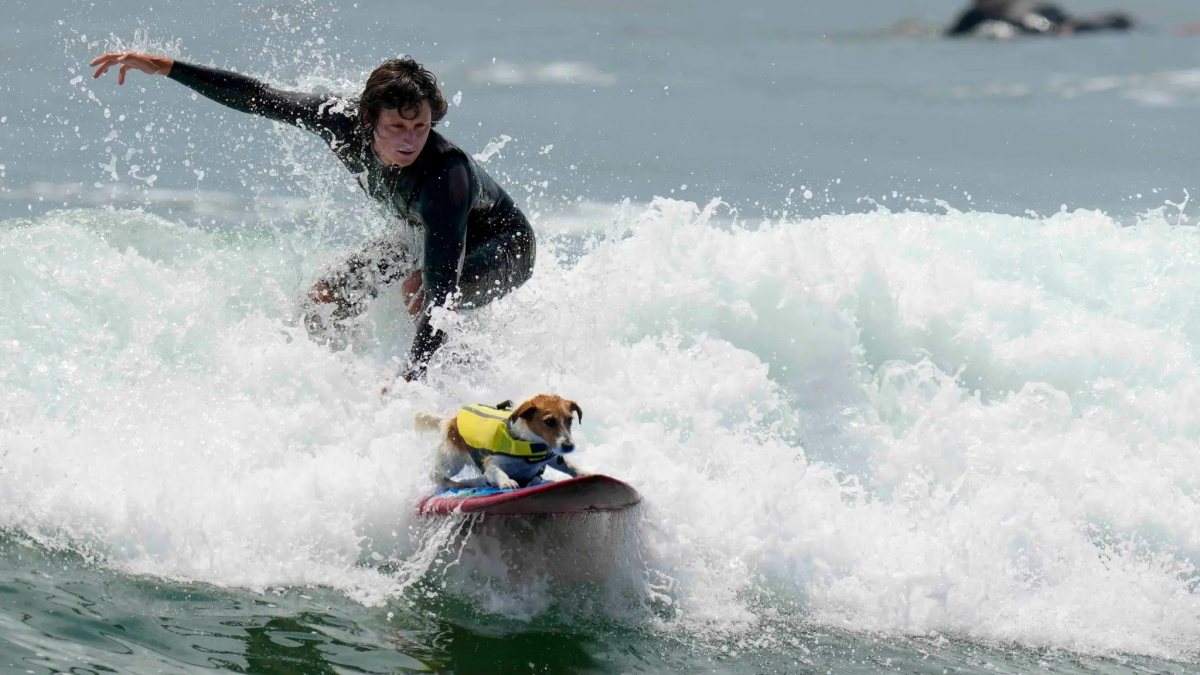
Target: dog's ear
(525,412)
(574,407)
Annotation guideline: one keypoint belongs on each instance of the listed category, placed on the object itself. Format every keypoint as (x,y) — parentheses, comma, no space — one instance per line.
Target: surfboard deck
(585,494)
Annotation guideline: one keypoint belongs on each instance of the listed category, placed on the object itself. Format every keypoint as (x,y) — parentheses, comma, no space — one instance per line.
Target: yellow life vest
(485,431)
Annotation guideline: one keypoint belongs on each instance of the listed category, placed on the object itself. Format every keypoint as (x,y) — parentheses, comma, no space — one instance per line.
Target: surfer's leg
(343,291)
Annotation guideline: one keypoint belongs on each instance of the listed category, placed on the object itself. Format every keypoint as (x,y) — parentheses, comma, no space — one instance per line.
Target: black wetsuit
(1033,18)
(476,240)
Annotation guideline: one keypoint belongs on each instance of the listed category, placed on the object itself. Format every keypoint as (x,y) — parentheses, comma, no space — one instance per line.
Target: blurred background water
(746,101)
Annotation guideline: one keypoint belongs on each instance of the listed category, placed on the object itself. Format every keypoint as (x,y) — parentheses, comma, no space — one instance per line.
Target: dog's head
(546,418)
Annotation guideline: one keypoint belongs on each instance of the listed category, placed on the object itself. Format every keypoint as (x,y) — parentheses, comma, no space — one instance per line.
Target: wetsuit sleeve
(444,204)
(323,114)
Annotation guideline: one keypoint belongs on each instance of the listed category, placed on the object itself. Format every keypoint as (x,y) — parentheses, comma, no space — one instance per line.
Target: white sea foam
(559,72)
(1166,89)
(966,423)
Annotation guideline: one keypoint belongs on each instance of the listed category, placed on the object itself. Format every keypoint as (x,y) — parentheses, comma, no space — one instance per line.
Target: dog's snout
(568,446)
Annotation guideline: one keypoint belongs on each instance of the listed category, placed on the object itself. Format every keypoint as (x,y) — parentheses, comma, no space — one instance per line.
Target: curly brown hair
(401,84)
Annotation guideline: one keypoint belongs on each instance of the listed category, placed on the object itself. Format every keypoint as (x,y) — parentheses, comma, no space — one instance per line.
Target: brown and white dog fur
(545,418)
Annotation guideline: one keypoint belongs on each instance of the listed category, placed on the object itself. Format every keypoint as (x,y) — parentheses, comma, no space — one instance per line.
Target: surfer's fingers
(105,62)
(121,75)
(106,59)
(129,59)
(101,63)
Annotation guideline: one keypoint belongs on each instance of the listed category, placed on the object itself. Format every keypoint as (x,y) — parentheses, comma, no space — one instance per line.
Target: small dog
(511,450)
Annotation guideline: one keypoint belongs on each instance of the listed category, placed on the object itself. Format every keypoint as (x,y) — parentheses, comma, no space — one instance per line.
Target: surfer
(475,244)
(1029,17)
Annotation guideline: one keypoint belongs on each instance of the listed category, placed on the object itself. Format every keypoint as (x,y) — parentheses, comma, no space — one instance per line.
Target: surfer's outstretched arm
(324,114)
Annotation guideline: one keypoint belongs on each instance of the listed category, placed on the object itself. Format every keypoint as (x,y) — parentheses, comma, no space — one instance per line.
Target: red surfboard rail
(585,494)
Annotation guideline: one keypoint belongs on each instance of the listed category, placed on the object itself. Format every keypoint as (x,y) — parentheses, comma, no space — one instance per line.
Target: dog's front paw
(508,484)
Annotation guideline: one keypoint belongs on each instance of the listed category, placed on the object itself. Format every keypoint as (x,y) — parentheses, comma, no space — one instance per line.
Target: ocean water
(898,339)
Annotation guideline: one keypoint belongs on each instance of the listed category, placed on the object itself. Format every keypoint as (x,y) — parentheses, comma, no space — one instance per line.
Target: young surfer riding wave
(477,245)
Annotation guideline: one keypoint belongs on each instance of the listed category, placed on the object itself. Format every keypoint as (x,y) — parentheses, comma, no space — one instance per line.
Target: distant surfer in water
(1002,18)
(477,245)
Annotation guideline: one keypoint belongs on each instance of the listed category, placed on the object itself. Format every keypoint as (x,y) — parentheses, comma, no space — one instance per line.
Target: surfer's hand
(414,299)
(147,63)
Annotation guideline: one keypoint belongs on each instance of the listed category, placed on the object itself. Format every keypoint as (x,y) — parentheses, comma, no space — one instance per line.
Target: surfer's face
(400,135)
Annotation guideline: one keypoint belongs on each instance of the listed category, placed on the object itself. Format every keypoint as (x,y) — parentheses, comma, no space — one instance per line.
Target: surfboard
(585,494)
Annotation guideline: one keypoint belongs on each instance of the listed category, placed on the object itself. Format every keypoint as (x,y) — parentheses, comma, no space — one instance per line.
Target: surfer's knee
(526,252)
(333,302)
(322,292)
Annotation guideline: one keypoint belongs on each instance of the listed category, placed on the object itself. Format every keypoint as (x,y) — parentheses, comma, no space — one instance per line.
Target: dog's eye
(551,422)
